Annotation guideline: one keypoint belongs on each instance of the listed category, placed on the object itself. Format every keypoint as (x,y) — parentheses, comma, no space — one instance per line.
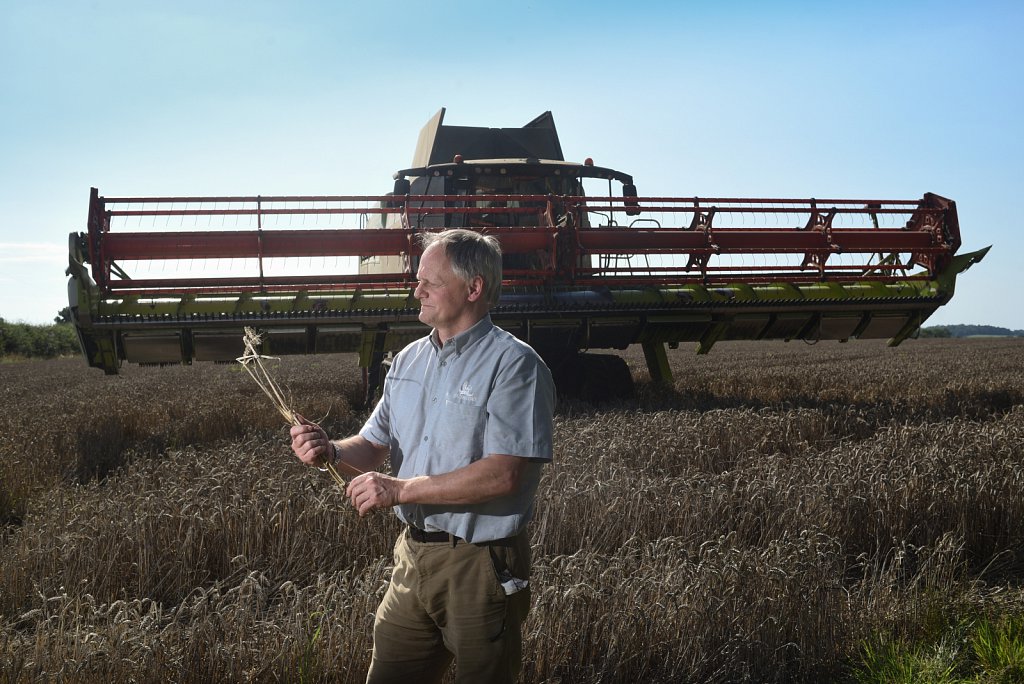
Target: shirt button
(443,363)
(434,400)
(425,439)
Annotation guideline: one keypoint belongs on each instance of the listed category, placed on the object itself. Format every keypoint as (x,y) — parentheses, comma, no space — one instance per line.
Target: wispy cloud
(48,252)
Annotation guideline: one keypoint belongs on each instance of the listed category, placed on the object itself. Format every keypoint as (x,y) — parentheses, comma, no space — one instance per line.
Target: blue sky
(787,99)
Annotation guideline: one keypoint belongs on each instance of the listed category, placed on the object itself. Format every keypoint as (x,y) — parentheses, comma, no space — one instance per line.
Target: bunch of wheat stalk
(252,361)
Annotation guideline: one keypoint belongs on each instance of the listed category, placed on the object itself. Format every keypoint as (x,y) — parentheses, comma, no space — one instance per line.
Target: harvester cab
(175,279)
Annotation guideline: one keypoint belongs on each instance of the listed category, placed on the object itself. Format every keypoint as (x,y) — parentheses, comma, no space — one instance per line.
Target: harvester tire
(594,377)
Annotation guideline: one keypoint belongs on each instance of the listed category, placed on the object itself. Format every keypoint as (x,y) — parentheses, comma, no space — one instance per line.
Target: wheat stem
(252,362)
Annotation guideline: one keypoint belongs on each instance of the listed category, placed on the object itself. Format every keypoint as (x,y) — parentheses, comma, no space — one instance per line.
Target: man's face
(444,297)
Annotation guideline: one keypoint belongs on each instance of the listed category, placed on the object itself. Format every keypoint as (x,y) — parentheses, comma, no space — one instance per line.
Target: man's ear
(476,288)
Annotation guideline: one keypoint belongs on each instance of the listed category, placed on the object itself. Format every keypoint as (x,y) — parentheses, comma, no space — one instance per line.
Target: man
(466,419)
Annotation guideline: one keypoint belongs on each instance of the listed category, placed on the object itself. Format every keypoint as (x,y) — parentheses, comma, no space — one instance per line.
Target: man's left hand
(373,490)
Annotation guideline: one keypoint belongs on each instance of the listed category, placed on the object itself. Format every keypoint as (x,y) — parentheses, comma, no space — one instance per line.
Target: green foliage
(308,663)
(937,331)
(983,651)
(897,662)
(63,316)
(930,650)
(981,331)
(39,341)
(999,649)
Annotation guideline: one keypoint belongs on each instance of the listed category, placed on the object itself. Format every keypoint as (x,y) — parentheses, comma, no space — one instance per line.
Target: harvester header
(175,279)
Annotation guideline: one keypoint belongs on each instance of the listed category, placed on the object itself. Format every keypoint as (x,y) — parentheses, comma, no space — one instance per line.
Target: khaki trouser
(446,602)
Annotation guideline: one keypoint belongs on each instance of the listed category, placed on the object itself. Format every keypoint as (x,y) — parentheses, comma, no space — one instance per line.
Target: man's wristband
(332,459)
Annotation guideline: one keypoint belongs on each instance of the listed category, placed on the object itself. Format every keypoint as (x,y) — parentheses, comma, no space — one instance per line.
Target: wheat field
(755,522)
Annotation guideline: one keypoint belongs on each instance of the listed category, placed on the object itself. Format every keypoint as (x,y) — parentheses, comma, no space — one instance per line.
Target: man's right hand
(311,444)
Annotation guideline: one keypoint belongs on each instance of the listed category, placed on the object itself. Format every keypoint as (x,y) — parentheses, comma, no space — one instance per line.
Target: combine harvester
(175,279)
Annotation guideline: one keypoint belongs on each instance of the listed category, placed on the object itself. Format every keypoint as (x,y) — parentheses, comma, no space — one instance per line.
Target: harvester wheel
(593,377)
(373,383)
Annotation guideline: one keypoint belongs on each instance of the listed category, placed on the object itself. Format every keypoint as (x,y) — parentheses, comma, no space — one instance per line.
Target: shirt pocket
(402,408)
(460,430)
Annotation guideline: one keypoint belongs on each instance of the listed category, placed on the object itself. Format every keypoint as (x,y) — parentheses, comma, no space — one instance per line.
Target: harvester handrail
(558,239)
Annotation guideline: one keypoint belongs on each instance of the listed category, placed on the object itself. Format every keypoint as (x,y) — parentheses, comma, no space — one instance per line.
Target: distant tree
(64,316)
(41,341)
(14,337)
(982,331)
(936,331)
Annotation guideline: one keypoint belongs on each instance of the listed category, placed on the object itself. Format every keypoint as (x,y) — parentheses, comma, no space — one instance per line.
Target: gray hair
(470,254)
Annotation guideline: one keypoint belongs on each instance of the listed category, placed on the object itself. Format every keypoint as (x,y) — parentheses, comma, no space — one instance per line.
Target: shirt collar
(465,338)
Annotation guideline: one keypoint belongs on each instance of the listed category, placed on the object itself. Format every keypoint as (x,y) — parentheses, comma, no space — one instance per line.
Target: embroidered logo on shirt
(466,392)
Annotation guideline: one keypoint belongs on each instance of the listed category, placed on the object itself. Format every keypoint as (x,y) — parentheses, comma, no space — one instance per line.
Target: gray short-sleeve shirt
(484,392)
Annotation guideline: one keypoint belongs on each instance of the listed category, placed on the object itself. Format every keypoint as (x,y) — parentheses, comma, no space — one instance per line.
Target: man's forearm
(488,478)
(358,455)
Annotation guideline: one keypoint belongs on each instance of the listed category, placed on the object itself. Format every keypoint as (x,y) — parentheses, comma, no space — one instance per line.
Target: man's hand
(311,443)
(371,491)
(483,480)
